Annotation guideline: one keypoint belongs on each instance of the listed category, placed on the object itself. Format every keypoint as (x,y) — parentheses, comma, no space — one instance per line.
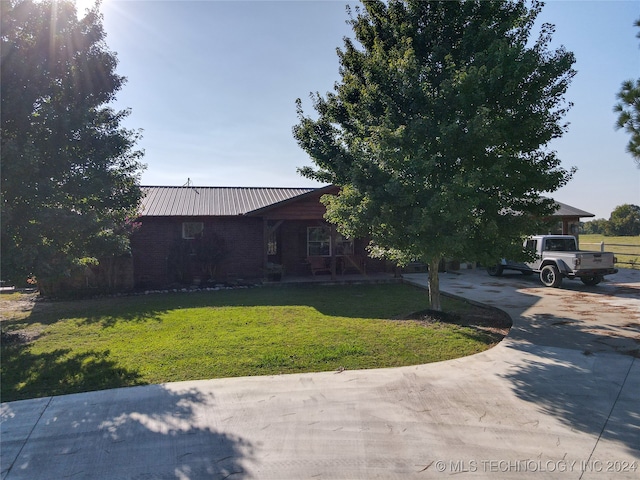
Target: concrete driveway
(604,318)
(558,398)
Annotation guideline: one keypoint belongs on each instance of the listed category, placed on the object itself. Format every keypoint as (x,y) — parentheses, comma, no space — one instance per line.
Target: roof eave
(262,210)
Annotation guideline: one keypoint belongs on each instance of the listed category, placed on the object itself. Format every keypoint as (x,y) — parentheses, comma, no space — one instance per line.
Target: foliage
(628,109)
(179,260)
(437,132)
(624,220)
(597,226)
(199,257)
(66,347)
(69,170)
(629,115)
(210,251)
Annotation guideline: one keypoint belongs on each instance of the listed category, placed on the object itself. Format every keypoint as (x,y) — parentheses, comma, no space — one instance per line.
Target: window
(560,245)
(272,244)
(532,245)
(192,229)
(574,229)
(319,243)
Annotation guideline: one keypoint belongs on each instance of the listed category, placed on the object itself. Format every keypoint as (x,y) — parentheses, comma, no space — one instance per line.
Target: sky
(213,85)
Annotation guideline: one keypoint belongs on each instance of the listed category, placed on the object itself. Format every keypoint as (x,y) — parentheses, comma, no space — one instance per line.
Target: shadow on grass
(150,432)
(354,301)
(29,375)
(26,374)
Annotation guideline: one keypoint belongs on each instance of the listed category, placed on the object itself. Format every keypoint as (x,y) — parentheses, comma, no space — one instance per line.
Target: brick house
(190,235)
(253,233)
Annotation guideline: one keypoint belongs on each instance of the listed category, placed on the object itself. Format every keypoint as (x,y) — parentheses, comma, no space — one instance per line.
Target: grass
(73,346)
(628,254)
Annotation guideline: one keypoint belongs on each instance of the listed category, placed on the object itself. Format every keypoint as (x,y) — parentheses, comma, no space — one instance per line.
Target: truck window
(560,245)
(532,245)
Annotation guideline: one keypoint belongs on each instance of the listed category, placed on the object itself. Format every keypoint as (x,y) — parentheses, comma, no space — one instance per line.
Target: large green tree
(70,171)
(438,131)
(624,220)
(628,109)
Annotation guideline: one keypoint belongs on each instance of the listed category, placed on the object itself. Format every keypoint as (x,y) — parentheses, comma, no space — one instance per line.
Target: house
(191,234)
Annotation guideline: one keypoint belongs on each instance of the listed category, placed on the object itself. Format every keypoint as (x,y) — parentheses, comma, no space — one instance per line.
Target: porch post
(265,247)
(333,251)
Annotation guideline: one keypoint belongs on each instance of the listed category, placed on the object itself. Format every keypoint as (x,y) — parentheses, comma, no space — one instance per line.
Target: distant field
(628,255)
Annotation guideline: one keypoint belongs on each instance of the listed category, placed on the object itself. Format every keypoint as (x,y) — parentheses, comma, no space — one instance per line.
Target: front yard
(54,348)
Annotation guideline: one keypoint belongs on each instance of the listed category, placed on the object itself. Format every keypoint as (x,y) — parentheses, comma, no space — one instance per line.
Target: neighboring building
(195,234)
(569,220)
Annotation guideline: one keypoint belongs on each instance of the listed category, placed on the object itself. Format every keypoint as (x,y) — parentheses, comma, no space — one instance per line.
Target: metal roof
(212,201)
(565,210)
(231,201)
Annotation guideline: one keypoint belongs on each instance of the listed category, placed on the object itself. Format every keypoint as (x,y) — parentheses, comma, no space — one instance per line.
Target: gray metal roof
(212,201)
(231,201)
(565,210)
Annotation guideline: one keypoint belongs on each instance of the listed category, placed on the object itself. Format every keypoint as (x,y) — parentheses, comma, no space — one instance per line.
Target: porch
(300,248)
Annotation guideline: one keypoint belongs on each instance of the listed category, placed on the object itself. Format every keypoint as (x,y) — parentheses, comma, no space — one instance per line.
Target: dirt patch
(488,319)
(16,305)
(19,337)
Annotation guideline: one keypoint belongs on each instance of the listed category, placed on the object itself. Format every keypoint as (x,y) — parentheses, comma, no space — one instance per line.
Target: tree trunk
(434,284)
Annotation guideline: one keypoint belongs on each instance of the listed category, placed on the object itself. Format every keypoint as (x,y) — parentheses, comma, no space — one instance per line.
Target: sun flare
(83,5)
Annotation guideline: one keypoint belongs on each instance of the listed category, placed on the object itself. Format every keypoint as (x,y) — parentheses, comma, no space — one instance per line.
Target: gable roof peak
(191,200)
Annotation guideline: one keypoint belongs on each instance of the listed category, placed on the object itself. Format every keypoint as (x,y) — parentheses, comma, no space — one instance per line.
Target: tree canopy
(628,109)
(70,171)
(596,226)
(624,220)
(437,132)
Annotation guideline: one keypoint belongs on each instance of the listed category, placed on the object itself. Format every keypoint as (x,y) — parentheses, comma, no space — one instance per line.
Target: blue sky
(213,85)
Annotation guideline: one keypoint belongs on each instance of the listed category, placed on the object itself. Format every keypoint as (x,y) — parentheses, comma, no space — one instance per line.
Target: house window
(272,244)
(574,229)
(318,242)
(192,229)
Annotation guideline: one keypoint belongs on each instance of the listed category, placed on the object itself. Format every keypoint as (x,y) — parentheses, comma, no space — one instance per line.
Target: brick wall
(243,237)
(152,243)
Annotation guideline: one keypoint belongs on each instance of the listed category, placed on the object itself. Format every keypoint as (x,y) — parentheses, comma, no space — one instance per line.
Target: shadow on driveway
(574,350)
(138,432)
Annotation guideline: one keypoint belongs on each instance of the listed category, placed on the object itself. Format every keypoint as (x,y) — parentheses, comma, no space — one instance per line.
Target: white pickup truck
(557,257)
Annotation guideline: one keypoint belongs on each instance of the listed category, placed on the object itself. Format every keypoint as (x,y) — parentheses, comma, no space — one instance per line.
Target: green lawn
(629,253)
(73,346)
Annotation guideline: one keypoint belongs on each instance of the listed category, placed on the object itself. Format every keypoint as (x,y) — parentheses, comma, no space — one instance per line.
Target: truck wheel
(495,270)
(591,281)
(550,276)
